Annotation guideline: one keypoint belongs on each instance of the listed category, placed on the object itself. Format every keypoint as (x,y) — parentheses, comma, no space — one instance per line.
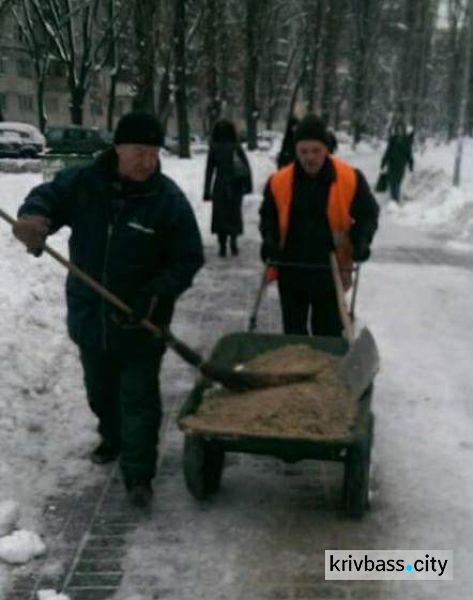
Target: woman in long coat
(227,180)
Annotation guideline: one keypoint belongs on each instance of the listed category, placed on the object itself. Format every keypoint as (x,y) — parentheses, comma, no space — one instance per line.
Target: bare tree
(214,99)
(333,13)
(144,68)
(464,90)
(365,18)
(79,35)
(456,14)
(314,10)
(39,50)
(255,13)
(180,78)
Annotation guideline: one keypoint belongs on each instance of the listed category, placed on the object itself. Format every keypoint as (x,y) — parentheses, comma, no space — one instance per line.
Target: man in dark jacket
(133,230)
(397,156)
(313,206)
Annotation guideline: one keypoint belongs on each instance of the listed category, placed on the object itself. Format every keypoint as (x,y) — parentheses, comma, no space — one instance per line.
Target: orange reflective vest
(341,194)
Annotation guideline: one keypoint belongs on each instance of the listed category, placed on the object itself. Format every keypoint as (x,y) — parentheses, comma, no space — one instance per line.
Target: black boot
(233,246)
(139,492)
(222,240)
(104,453)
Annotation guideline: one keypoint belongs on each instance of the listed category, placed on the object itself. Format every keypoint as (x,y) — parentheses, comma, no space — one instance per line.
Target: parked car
(32,140)
(197,144)
(74,139)
(10,144)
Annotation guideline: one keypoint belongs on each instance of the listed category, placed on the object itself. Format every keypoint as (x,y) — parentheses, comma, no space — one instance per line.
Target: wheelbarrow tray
(204,451)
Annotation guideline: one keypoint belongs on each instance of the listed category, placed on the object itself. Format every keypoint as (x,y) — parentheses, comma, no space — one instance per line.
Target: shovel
(232,379)
(347,321)
(259,297)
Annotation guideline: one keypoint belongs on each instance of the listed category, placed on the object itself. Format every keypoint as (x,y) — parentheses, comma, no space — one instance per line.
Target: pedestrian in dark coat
(227,180)
(314,206)
(133,230)
(287,152)
(397,156)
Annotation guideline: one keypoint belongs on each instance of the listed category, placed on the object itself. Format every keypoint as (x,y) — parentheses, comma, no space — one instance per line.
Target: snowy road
(264,535)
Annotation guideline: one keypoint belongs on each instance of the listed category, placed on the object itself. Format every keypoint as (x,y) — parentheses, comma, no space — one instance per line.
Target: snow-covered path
(269,526)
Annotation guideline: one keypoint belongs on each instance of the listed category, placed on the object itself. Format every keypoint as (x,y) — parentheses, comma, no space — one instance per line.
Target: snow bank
(51,595)
(20,547)
(430,201)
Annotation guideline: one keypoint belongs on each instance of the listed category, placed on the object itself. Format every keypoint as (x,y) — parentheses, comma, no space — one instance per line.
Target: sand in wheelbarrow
(313,409)
(294,359)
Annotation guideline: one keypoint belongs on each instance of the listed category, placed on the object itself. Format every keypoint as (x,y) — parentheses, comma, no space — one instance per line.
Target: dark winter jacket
(398,154)
(225,188)
(309,238)
(137,239)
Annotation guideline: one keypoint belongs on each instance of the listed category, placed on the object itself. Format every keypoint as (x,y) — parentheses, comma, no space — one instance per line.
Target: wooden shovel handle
(341,300)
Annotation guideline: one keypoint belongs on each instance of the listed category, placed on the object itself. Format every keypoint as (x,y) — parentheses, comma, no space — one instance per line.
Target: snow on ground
(432,203)
(46,429)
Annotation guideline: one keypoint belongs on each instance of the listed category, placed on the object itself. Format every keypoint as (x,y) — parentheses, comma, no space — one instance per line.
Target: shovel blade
(360,365)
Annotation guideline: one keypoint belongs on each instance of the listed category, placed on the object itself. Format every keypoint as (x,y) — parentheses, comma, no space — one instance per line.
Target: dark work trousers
(123,392)
(222,241)
(312,306)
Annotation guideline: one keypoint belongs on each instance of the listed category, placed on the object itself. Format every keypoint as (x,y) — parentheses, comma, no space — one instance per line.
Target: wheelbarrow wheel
(203,466)
(357,475)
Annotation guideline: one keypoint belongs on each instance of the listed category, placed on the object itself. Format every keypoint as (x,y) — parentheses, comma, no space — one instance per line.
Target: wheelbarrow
(204,452)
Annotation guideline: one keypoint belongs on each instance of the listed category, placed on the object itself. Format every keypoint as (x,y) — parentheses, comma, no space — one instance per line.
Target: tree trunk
(213,96)
(329,69)
(251,74)
(180,77)
(77,104)
(314,30)
(164,97)
(145,56)
(114,61)
(464,92)
(111,99)
(42,117)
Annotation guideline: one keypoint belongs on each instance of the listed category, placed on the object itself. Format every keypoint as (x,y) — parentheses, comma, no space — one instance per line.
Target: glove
(270,251)
(142,306)
(361,251)
(32,230)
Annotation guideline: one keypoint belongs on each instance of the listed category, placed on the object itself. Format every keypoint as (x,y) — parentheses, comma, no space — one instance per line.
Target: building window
(96,108)
(24,68)
(3,65)
(52,105)
(25,103)
(3,102)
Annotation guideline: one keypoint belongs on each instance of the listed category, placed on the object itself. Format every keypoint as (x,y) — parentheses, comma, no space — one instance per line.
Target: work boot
(104,453)
(140,493)
(222,251)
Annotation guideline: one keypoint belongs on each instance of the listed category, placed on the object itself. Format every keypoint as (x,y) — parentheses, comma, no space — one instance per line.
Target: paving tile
(94,579)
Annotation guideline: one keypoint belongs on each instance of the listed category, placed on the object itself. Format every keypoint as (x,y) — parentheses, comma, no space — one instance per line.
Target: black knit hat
(139,128)
(311,128)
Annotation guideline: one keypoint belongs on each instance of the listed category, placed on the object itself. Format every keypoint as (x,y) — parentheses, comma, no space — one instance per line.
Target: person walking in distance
(227,180)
